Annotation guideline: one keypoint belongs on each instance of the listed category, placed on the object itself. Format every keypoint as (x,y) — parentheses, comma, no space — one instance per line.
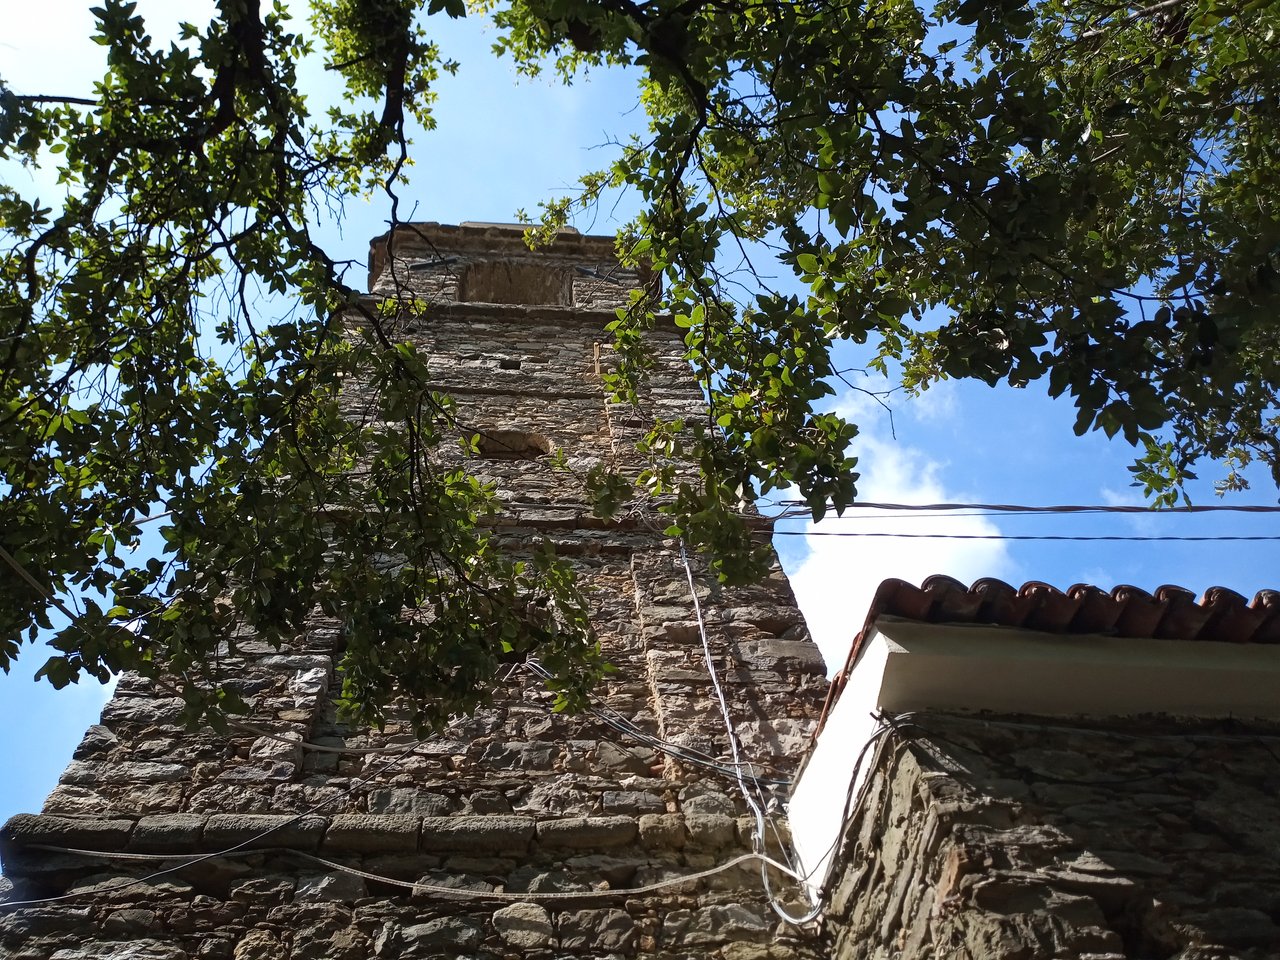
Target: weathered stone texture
(983,841)
(514,801)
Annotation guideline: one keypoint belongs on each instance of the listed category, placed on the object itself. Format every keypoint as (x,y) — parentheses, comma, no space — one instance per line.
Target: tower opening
(513,445)
(506,281)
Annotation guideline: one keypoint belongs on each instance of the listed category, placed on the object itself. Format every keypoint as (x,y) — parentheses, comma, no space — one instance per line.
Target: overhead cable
(1052,508)
(758,838)
(689,755)
(440,889)
(234,848)
(1022,536)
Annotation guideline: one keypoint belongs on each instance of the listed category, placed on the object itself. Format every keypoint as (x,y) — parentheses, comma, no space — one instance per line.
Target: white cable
(690,755)
(459,892)
(758,838)
(235,847)
(850,803)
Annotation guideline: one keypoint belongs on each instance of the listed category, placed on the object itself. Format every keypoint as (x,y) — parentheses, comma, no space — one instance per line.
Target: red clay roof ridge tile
(1170,613)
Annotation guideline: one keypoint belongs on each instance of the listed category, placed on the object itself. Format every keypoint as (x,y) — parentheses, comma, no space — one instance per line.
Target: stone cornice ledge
(24,838)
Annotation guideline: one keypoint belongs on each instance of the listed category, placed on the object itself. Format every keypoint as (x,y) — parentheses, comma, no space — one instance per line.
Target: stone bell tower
(517,832)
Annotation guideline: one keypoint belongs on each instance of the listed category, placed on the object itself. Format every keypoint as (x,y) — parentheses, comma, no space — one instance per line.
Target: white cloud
(835,583)
(1144,524)
(939,404)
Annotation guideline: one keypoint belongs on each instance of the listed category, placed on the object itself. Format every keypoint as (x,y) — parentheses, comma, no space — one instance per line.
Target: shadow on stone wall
(1010,838)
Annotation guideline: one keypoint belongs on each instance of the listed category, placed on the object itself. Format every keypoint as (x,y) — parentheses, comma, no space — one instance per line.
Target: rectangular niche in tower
(510,281)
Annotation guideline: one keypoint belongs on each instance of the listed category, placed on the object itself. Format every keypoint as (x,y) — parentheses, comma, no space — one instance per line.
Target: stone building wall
(1017,838)
(538,816)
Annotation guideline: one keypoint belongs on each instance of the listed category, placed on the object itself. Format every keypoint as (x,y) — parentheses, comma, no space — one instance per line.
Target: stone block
(617,758)
(371,833)
(450,879)
(260,945)
(727,923)
(329,887)
(33,922)
(129,921)
(168,833)
(142,710)
(487,802)
(426,939)
(93,773)
(66,800)
(309,682)
(117,950)
(410,801)
(286,747)
(662,831)
(600,931)
(297,662)
(632,801)
(259,830)
(271,890)
(701,799)
(97,739)
(711,830)
(587,833)
(746,951)
(500,834)
(525,926)
(556,879)
(94,833)
(262,772)
(769,654)
(521,756)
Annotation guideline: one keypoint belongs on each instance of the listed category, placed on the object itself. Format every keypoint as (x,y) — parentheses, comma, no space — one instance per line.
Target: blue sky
(503,144)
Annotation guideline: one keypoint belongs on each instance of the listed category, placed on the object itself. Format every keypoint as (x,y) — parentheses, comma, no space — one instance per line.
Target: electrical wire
(456,892)
(1011,536)
(690,755)
(22,571)
(758,838)
(984,720)
(902,722)
(869,517)
(234,848)
(1052,508)
(882,730)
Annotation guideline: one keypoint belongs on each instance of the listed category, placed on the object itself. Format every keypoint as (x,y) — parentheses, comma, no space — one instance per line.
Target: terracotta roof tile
(1171,613)
(1098,611)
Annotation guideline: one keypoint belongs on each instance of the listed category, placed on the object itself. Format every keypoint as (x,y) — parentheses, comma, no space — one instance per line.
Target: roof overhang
(905,665)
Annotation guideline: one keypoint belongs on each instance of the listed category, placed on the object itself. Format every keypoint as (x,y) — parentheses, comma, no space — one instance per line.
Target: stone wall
(538,815)
(982,840)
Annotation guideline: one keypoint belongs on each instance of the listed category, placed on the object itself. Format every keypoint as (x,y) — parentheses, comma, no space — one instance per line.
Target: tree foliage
(138,378)
(1072,192)
(1080,193)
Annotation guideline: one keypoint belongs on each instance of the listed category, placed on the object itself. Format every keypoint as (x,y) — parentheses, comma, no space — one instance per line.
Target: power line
(1012,536)
(202,858)
(758,838)
(1052,508)
(690,755)
(418,887)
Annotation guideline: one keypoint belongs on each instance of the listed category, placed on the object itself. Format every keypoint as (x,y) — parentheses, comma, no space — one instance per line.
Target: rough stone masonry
(532,817)
(1019,838)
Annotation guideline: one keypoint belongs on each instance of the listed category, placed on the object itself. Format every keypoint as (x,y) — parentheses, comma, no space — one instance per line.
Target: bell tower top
(621,831)
(491,263)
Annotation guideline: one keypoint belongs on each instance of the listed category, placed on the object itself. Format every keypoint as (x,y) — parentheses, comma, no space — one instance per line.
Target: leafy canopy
(1076,192)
